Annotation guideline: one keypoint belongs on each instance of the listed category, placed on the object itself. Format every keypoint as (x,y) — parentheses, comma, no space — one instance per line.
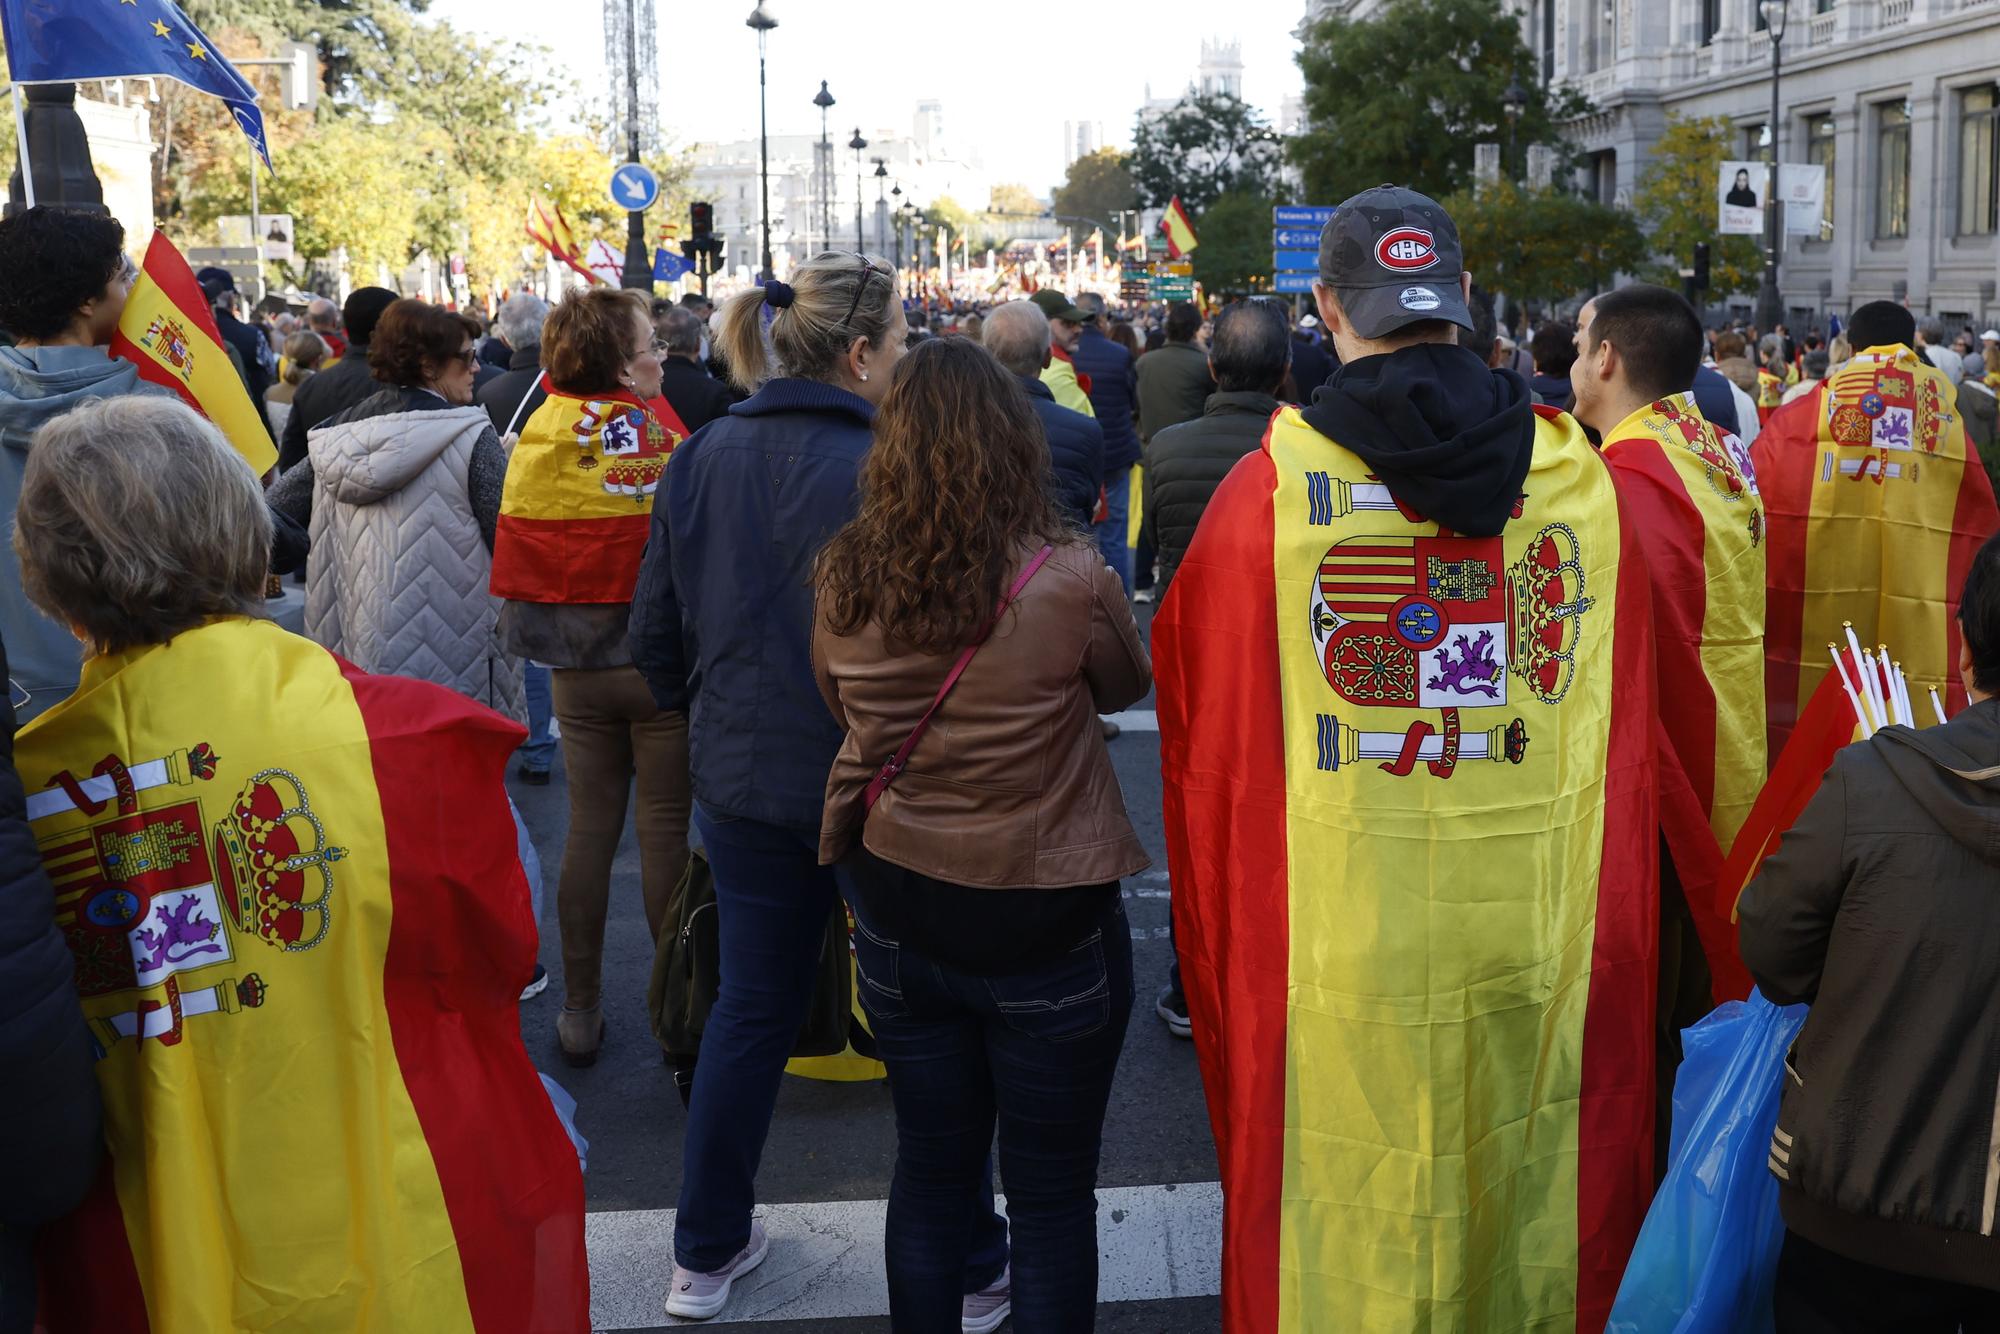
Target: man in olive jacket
(1249,352)
(1881,909)
(1174,380)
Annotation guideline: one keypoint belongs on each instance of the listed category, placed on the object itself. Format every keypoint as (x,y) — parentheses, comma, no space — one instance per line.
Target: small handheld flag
(168,331)
(548,229)
(1178,230)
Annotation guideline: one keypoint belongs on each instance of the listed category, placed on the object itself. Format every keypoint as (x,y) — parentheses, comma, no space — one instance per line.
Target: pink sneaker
(984,1311)
(698,1296)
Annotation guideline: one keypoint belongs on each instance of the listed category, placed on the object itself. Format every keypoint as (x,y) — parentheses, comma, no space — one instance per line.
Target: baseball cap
(1059,307)
(1393,258)
(214,280)
(1990,336)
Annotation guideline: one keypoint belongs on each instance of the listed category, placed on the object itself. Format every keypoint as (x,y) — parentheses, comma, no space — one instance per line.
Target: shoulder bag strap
(894,764)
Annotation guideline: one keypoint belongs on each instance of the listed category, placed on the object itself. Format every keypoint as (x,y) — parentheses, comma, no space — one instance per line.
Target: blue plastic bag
(1708,1253)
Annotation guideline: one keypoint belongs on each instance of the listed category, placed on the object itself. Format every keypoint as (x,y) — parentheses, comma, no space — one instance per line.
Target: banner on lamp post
(1739,198)
(1802,189)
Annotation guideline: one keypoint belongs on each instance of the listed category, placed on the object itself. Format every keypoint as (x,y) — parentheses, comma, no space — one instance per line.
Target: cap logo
(1406,250)
(1419,298)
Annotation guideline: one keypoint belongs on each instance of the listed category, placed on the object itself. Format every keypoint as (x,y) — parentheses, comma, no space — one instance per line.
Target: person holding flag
(1875,507)
(1405,681)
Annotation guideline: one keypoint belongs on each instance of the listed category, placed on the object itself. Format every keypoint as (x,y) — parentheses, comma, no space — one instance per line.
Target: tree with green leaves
(1014,198)
(1406,95)
(1676,201)
(1097,185)
(1543,244)
(1201,148)
(1234,253)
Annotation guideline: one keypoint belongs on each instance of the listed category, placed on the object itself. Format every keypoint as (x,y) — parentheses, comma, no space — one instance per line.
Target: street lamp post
(823,101)
(858,144)
(638,270)
(881,201)
(1513,102)
(761,20)
(896,221)
(1770,305)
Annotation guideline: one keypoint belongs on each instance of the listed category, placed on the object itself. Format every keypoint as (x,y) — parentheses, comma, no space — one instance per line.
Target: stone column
(1927,183)
(1851,200)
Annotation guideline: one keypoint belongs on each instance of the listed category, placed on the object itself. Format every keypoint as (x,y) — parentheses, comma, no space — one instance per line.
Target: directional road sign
(1293,282)
(1295,236)
(1300,215)
(634,187)
(1295,261)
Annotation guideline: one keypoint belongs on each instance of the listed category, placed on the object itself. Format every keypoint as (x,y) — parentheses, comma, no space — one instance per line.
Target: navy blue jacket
(1076,451)
(1114,395)
(722,617)
(1712,396)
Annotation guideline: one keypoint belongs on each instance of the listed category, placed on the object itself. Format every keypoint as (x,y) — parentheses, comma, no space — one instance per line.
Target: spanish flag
(168,331)
(1876,507)
(1410,812)
(1688,491)
(1177,229)
(300,934)
(548,228)
(578,501)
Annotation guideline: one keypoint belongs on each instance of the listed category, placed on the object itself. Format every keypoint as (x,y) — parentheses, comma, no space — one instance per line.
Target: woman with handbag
(967,638)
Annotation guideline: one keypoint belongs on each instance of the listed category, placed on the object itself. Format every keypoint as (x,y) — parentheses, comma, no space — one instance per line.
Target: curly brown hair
(956,481)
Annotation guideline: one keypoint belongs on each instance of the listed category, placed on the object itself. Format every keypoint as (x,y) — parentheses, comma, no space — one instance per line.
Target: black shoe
(1172,1009)
(1110,729)
(532,777)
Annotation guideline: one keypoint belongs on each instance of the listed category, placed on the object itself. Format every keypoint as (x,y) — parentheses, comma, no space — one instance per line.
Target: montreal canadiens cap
(1392,256)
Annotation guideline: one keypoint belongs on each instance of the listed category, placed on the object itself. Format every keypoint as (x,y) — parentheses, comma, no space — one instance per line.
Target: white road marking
(1136,720)
(1153,1242)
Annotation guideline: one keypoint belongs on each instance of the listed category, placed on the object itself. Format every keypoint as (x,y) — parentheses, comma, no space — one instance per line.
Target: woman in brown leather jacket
(995,959)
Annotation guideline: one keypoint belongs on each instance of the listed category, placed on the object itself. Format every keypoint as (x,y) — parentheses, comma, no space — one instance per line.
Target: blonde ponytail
(835,298)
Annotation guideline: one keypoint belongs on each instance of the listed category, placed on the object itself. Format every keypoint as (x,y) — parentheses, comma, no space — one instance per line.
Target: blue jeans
(772,900)
(531,865)
(538,752)
(1034,1052)
(1111,534)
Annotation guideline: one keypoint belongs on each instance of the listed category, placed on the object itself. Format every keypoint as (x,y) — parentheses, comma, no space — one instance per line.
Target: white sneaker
(699,1296)
(537,984)
(1143,595)
(984,1311)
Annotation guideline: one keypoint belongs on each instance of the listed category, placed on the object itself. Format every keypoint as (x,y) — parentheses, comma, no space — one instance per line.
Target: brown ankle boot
(581,1033)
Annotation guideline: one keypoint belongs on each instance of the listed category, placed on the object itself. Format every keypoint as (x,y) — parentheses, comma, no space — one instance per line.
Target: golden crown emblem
(273,854)
(1546,589)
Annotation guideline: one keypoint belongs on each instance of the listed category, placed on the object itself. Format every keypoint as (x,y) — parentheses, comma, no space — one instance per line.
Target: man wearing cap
(1065,324)
(250,346)
(1406,708)
(1109,380)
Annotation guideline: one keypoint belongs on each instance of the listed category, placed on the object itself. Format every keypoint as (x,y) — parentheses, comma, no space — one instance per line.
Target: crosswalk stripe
(1136,720)
(1153,1242)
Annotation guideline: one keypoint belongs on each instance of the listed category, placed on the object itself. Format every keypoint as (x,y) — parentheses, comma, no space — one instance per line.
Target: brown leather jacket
(1011,788)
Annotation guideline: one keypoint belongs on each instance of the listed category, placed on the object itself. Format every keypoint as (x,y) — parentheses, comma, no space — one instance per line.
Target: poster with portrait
(1739,198)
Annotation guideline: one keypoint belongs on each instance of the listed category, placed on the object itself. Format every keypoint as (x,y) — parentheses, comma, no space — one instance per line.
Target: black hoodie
(1449,437)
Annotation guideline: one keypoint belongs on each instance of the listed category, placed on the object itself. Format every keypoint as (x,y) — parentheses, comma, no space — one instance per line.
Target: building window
(1819,152)
(1711,20)
(1548,41)
(1892,169)
(1979,161)
(1598,18)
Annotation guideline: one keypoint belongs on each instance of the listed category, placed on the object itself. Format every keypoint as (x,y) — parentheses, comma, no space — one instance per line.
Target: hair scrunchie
(778,295)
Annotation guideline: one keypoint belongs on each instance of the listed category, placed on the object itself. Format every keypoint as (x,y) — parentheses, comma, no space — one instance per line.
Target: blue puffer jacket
(1076,451)
(1114,394)
(722,617)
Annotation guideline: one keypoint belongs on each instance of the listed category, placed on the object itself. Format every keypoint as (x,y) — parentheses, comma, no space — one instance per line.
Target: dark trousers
(1820,1292)
(772,900)
(1032,1052)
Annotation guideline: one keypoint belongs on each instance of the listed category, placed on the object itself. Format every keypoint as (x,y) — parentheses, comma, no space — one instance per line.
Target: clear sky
(1009,74)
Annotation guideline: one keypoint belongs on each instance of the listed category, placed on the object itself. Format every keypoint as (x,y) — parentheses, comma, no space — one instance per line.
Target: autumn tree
(1014,198)
(1201,148)
(1097,185)
(1676,201)
(1543,244)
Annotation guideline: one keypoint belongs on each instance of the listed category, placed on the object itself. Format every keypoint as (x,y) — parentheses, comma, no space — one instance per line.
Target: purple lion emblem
(1474,672)
(183,934)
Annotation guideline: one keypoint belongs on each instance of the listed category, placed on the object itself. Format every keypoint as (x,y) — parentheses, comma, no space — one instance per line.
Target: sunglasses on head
(868,271)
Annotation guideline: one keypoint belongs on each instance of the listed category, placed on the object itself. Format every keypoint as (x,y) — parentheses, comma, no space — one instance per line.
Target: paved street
(827,1165)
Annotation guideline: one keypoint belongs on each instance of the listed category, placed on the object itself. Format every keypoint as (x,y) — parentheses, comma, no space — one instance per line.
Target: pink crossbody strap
(894,764)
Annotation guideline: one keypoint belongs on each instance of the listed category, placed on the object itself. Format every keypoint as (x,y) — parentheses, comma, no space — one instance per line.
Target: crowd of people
(1474,646)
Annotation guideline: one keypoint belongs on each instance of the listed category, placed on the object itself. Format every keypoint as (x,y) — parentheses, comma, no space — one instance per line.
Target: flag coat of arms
(168,331)
(1876,506)
(1414,849)
(1687,487)
(578,501)
(300,932)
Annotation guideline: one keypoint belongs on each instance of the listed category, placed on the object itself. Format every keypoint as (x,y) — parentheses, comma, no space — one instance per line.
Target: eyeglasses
(868,271)
(468,356)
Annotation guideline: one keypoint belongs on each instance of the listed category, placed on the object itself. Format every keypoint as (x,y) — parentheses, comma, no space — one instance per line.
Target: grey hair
(322,314)
(1932,328)
(1017,334)
(680,331)
(1091,304)
(137,521)
(520,321)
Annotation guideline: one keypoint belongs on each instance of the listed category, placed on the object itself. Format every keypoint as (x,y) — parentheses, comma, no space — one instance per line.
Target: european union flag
(668,266)
(60,41)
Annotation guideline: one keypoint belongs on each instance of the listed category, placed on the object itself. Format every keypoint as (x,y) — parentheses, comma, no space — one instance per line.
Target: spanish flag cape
(1688,489)
(1770,393)
(578,500)
(1876,506)
(1410,812)
(300,934)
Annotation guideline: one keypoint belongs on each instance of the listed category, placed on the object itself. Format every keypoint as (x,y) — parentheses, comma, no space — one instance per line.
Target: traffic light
(1700,279)
(701,219)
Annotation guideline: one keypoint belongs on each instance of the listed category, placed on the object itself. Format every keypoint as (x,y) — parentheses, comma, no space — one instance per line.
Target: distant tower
(928,128)
(1221,68)
(1081,138)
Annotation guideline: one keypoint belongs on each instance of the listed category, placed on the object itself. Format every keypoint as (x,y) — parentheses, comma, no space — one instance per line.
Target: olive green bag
(687,973)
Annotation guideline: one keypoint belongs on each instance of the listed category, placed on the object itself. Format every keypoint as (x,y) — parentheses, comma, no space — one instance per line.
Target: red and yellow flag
(300,932)
(548,228)
(1876,506)
(1770,393)
(1414,847)
(1687,489)
(168,331)
(578,502)
(1178,230)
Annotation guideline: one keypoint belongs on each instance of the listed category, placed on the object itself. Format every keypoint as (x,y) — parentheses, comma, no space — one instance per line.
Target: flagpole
(21,138)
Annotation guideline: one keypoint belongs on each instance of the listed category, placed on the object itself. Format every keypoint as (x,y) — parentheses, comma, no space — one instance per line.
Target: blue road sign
(1293,282)
(1299,261)
(634,187)
(1300,215)
(1295,236)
